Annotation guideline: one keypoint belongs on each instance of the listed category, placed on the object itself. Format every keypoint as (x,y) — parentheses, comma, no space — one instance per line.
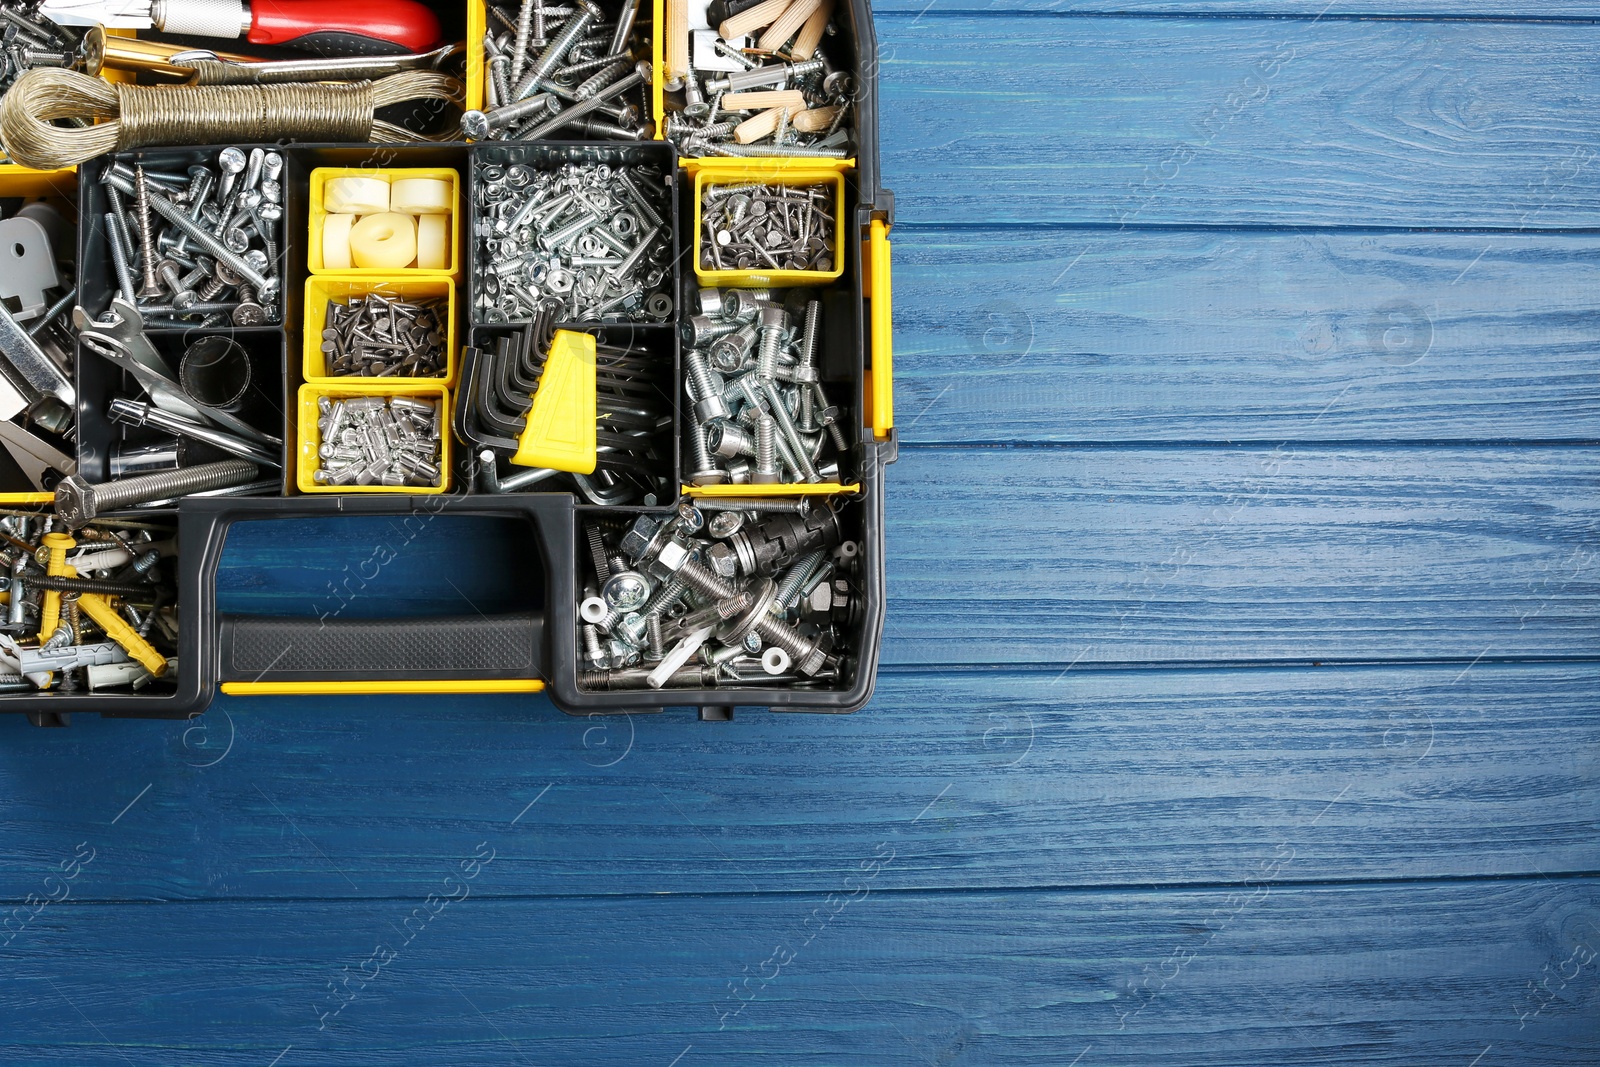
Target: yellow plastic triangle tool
(560,433)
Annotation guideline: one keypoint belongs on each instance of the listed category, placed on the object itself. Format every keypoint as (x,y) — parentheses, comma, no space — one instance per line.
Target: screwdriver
(342,28)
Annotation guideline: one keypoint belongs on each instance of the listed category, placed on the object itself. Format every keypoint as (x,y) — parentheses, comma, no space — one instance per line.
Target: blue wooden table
(1239,700)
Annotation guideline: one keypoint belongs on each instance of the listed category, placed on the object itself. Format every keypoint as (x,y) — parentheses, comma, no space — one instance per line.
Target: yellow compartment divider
(12,499)
(560,432)
(880,392)
(782,489)
(376,686)
(477,69)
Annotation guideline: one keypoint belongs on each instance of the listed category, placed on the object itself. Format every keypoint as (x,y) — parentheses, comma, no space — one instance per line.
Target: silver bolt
(78,502)
(766,472)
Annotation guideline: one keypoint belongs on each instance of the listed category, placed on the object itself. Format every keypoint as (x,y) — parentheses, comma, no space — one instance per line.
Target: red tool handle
(359,26)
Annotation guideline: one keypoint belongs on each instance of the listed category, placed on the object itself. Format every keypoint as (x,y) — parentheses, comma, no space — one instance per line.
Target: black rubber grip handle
(268,648)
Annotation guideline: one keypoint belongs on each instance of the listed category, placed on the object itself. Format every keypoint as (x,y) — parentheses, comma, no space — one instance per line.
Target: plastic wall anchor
(678,657)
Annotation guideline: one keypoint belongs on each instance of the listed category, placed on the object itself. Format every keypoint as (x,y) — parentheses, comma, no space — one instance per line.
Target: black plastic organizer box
(537,649)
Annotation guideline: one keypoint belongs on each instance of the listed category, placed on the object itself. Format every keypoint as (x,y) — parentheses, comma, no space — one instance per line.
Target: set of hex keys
(633,407)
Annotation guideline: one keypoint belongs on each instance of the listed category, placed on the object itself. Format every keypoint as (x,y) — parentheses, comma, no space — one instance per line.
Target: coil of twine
(132,116)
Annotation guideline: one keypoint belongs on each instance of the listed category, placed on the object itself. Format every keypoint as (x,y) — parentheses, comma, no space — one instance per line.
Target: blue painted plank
(981,779)
(1383,975)
(1241,121)
(887,11)
(1244,335)
(1291,553)
(1162,555)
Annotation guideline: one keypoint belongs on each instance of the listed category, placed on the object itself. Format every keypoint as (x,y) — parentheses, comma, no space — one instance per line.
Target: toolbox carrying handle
(880,293)
(276,655)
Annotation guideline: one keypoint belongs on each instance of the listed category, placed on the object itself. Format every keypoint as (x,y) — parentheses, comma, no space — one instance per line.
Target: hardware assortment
(751,78)
(563,70)
(87,608)
(37,396)
(474,322)
(755,592)
(31,40)
(756,411)
(198,248)
(752,225)
(587,238)
(376,441)
(377,336)
(386,221)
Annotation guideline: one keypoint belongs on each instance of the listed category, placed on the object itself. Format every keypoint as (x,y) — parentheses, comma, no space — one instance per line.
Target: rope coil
(133,116)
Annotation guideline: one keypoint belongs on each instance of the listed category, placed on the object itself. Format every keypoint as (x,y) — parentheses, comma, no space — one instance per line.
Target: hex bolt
(78,501)
(806,654)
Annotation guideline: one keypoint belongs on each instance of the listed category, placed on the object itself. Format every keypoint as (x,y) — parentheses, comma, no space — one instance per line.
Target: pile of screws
(374,440)
(29,39)
(753,226)
(382,337)
(565,69)
(198,248)
(96,609)
(757,83)
(761,594)
(589,240)
(756,412)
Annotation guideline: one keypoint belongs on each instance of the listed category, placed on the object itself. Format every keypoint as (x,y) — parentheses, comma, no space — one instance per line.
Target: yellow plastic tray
(797,172)
(321,290)
(311,439)
(320,178)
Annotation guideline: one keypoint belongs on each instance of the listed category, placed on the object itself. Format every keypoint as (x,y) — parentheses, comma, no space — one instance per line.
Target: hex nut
(636,542)
(723,560)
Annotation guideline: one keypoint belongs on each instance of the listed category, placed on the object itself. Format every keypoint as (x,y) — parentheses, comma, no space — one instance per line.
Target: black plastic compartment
(661,341)
(547,155)
(100,381)
(97,281)
(862,519)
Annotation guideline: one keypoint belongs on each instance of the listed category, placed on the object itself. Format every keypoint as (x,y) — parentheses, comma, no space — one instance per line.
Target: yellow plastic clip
(560,433)
(50,609)
(100,610)
(880,392)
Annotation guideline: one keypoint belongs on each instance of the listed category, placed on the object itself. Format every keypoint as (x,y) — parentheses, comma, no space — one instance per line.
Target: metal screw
(146,245)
